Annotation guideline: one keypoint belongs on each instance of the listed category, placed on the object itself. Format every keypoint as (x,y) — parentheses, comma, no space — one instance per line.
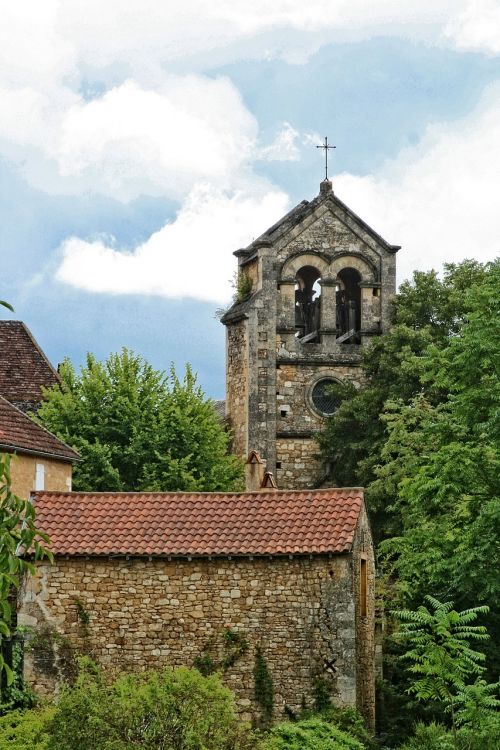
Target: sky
(143,141)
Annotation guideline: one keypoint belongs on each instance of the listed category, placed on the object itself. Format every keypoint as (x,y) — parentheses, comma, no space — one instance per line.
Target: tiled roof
(18,433)
(200,524)
(24,368)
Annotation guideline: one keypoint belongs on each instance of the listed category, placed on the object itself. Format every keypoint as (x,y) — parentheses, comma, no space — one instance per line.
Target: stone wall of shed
(365,623)
(137,614)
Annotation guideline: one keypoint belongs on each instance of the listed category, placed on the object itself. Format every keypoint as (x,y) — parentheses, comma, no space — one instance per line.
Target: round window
(324,398)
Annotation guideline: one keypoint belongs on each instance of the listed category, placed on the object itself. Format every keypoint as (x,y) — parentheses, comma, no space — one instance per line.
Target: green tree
(137,429)
(309,734)
(441,461)
(18,533)
(427,311)
(168,710)
(443,661)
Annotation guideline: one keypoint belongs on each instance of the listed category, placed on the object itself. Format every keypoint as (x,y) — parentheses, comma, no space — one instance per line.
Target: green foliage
(423,438)
(3,303)
(437,737)
(430,737)
(221,652)
(263,687)
(138,429)
(310,734)
(443,662)
(321,692)
(17,695)
(349,720)
(440,653)
(242,286)
(477,705)
(169,710)
(25,730)
(17,532)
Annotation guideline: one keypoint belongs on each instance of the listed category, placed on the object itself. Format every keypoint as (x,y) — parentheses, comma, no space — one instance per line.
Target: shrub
(309,734)
(349,720)
(430,737)
(25,730)
(164,710)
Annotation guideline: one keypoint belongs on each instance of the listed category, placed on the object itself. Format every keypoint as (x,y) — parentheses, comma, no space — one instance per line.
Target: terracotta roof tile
(18,433)
(200,524)
(24,368)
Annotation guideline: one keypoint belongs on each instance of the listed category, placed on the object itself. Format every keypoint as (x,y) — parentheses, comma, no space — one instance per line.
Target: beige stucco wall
(57,474)
(136,614)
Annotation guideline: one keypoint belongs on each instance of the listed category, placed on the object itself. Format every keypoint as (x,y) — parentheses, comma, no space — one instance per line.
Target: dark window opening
(283,412)
(308,305)
(348,304)
(278,464)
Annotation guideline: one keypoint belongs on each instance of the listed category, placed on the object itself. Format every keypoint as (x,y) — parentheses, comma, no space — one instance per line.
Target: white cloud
(283,148)
(438,200)
(148,131)
(133,140)
(477,27)
(190,257)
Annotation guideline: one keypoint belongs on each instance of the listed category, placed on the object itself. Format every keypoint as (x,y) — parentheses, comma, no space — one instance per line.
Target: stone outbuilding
(315,288)
(209,580)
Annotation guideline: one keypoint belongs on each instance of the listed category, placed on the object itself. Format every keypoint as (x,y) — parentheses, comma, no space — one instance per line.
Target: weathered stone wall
(237,385)
(296,465)
(298,420)
(136,614)
(327,237)
(23,471)
(365,623)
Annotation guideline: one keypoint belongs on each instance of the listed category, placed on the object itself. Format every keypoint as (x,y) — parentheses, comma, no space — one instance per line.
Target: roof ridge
(209,493)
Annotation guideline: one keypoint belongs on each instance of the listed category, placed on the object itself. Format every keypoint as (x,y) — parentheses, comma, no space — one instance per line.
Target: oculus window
(324,399)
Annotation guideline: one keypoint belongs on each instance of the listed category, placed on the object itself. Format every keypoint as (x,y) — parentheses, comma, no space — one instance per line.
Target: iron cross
(325,146)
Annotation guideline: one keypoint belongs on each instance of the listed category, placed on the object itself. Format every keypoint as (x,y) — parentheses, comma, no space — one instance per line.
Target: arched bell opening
(348,306)
(307,305)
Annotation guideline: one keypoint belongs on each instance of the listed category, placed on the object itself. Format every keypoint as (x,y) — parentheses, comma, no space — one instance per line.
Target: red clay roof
(200,524)
(24,368)
(18,433)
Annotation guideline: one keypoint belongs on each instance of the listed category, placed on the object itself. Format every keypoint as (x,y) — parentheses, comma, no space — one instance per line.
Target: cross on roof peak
(326,146)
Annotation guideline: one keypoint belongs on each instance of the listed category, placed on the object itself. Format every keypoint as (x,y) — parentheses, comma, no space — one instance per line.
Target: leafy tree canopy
(423,437)
(137,429)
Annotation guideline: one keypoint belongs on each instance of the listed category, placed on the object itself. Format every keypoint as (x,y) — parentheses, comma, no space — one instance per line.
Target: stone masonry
(271,409)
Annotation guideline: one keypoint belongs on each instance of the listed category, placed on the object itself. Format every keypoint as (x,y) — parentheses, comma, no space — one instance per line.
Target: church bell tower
(318,285)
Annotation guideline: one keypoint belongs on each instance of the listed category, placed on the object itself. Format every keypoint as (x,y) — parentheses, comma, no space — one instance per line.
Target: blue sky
(140,145)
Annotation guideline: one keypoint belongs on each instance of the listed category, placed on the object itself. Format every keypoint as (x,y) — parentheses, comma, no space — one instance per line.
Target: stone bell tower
(320,283)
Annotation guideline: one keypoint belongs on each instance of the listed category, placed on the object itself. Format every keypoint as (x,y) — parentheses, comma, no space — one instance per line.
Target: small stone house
(141,580)
(39,459)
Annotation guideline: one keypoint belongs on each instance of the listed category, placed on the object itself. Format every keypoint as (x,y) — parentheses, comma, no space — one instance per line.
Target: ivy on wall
(263,687)
(221,652)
